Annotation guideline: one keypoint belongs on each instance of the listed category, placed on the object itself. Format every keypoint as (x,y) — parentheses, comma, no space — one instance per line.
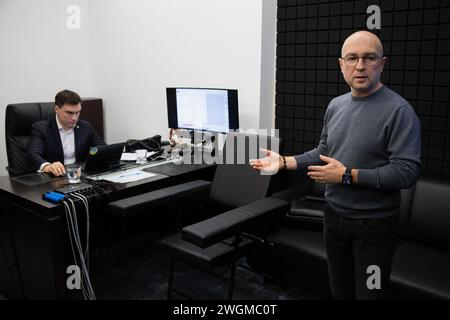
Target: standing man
(369,149)
(62,139)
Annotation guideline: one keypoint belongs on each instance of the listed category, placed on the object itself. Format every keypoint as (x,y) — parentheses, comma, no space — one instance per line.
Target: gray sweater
(380,136)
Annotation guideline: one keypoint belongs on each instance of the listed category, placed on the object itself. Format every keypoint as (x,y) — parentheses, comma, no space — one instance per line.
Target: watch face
(347,179)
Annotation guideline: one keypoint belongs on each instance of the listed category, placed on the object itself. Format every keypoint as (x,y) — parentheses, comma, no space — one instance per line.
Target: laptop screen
(105,157)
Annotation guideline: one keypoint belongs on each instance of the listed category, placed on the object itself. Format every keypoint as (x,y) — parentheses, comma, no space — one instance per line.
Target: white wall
(128,51)
(141,47)
(39,56)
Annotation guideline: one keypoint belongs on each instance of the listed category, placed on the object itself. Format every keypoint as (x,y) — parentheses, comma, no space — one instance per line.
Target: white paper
(126,176)
(128,156)
(131,156)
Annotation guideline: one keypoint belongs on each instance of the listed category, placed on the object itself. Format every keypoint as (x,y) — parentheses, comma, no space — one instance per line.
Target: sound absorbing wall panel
(416,39)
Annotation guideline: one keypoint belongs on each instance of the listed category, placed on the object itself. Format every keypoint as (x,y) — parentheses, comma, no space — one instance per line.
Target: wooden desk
(33,231)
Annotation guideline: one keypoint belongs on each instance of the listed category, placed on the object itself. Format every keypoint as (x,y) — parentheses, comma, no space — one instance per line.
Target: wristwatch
(347,177)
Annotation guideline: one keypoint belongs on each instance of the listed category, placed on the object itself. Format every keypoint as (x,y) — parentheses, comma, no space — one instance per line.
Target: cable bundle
(80,256)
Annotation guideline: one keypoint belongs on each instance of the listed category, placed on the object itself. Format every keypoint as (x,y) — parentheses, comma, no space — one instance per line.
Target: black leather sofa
(421,267)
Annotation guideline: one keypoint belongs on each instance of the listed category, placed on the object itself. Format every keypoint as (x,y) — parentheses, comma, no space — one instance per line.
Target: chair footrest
(138,204)
(214,256)
(222,226)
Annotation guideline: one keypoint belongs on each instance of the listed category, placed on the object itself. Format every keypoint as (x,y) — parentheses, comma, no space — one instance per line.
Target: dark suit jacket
(45,142)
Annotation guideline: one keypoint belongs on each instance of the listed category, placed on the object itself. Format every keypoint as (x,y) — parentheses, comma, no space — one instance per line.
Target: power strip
(71,188)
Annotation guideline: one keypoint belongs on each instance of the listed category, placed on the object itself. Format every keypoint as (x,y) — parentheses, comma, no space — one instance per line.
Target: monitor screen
(214,110)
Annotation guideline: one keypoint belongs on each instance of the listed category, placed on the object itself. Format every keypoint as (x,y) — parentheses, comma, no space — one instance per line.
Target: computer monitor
(203,109)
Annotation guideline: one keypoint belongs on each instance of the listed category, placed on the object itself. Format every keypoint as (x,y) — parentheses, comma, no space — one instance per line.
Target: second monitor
(203,109)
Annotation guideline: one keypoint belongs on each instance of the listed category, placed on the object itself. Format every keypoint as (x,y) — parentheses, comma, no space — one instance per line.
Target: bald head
(362,63)
(362,40)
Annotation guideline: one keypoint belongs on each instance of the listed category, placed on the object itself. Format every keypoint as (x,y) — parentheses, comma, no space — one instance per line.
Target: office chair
(18,121)
(222,239)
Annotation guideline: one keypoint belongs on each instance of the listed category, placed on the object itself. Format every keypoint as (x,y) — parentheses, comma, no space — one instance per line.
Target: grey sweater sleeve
(404,166)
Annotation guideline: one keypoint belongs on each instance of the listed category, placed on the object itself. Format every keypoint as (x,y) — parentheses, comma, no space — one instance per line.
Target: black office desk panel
(33,232)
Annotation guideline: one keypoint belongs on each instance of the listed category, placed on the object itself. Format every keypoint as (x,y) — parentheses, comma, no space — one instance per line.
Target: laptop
(104,158)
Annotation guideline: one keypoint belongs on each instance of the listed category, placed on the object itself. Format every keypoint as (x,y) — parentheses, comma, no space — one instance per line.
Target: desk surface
(28,189)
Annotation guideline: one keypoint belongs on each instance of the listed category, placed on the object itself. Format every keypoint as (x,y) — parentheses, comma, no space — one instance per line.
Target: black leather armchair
(18,121)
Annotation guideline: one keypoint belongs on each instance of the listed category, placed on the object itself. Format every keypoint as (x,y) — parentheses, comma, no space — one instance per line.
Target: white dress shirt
(68,144)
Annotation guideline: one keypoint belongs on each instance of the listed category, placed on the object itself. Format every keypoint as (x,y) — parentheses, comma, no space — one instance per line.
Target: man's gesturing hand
(270,164)
(330,173)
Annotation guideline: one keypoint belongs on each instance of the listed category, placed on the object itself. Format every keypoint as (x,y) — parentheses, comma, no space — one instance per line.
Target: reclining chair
(224,238)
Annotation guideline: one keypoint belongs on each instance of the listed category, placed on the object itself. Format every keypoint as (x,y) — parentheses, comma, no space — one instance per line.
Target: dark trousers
(360,254)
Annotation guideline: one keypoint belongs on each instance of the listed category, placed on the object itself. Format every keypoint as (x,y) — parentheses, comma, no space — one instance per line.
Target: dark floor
(139,270)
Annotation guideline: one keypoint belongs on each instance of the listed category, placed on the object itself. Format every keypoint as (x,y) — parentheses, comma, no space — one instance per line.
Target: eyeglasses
(369,60)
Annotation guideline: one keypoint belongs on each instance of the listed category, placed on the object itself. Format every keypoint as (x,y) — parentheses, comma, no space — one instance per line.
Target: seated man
(62,139)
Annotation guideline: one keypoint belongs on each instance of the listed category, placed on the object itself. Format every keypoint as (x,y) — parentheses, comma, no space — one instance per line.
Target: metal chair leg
(170,282)
(231,281)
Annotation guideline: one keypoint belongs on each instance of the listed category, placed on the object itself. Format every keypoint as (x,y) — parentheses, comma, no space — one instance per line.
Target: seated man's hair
(67,96)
